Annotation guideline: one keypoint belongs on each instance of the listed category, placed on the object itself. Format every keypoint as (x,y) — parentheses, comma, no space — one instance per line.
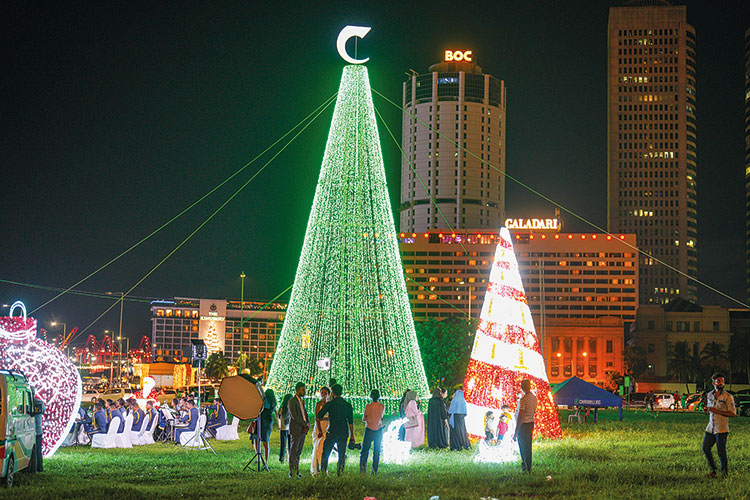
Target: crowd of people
(183,416)
(332,426)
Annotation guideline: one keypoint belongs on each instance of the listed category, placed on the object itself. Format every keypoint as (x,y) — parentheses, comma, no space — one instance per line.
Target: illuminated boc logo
(344,36)
(458,55)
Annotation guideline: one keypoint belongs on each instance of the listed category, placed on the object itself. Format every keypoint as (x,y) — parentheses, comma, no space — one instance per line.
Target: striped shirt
(526,409)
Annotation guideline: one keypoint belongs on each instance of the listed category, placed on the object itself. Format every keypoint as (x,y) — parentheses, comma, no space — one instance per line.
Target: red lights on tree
(506,350)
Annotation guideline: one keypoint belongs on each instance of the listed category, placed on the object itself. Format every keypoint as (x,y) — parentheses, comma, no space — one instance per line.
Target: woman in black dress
(437,421)
(266,422)
(457,411)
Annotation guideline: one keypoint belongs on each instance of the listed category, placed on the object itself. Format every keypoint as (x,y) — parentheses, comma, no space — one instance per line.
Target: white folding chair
(122,439)
(147,432)
(107,440)
(228,432)
(575,416)
(189,438)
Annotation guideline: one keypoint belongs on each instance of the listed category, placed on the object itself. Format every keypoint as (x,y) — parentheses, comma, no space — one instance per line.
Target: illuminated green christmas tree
(349,300)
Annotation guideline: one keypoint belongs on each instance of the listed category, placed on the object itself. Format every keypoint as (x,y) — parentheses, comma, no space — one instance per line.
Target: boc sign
(458,55)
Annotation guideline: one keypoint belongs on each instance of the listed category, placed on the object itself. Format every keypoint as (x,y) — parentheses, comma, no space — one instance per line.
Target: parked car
(166,396)
(17,430)
(693,402)
(114,394)
(89,394)
(742,404)
(635,400)
(663,401)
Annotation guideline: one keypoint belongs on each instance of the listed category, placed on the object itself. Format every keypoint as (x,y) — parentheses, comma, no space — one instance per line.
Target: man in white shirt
(720,405)
(525,423)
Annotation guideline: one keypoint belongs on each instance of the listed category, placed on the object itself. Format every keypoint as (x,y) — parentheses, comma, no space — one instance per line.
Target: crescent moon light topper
(344,36)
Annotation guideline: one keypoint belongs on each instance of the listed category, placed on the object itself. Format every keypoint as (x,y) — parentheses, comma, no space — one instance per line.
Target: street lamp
(65,331)
(127,357)
(119,333)
(242,318)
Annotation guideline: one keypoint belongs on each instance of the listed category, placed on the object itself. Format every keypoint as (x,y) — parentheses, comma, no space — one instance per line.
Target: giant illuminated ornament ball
(506,350)
(55,379)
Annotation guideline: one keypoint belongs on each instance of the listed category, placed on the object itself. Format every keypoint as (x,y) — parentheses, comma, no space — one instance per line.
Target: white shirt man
(720,405)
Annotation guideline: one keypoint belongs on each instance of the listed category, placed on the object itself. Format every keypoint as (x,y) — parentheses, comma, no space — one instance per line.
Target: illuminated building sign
(347,33)
(458,55)
(212,329)
(540,224)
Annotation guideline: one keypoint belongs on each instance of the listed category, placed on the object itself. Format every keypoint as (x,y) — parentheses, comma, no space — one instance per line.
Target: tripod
(258,457)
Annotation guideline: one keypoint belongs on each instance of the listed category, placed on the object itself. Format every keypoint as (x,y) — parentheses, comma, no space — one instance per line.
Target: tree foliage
(682,364)
(635,361)
(712,354)
(217,366)
(247,364)
(446,348)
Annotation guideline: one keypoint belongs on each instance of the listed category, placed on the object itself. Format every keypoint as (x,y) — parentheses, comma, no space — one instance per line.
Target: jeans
(524,444)
(283,444)
(721,447)
(375,438)
(340,442)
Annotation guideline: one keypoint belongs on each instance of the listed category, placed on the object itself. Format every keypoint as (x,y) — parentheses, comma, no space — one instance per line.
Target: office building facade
(652,157)
(176,322)
(453,105)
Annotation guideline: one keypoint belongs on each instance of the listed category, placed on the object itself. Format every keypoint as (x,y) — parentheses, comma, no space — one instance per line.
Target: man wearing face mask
(720,405)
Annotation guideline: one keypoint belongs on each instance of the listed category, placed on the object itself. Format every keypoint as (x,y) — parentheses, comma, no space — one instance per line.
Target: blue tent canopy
(578,392)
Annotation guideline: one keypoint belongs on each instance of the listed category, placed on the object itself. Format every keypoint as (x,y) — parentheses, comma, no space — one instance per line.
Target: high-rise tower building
(468,107)
(747,160)
(651,157)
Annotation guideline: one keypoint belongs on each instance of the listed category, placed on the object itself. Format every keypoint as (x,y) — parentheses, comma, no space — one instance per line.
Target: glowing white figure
(394,451)
(505,451)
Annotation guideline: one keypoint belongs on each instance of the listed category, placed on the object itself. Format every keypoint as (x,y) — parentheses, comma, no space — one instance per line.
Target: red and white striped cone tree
(506,351)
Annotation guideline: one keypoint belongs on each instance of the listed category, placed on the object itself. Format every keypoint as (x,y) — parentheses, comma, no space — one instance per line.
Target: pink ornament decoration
(55,379)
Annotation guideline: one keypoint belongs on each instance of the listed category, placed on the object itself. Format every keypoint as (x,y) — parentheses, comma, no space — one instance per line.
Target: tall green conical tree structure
(349,300)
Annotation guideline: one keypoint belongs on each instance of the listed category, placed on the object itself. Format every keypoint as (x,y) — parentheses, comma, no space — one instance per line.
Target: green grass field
(642,457)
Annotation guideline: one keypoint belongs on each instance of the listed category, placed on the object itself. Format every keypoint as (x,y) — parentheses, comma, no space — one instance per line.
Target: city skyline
(119,122)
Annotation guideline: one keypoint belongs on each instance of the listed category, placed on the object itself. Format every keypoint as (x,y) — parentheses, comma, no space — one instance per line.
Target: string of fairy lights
(349,302)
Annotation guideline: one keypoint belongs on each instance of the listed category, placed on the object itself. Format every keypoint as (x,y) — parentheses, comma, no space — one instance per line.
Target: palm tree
(713,352)
(635,361)
(217,366)
(682,364)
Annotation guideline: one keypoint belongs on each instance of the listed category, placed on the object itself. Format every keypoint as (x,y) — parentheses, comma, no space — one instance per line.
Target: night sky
(117,116)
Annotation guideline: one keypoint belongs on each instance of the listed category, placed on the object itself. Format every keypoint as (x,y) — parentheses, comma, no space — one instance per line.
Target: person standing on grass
(437,421)
(373,419)
(459,438)
(283,417)
(525,423)
(340,427)
(720,405)
(299,424)
(319,432)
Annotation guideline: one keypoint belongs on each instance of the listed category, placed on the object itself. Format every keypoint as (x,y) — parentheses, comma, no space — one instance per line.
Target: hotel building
(652,157)
(176,322)
(467,107)
(582,288)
